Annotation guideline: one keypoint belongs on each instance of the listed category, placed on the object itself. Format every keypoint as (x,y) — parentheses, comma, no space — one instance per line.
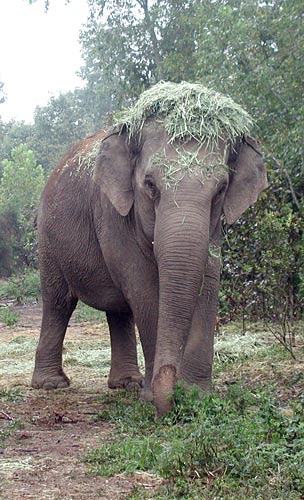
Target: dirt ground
(43,456)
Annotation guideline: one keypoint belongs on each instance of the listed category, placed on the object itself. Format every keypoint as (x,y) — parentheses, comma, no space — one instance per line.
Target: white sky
(39,53)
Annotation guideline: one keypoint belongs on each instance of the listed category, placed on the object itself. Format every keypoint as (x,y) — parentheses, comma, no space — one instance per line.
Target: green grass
(8,428)
(11,395)
(236,444)
(243,442)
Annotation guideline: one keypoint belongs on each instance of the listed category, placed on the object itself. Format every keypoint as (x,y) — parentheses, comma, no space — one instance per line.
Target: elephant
(125,230)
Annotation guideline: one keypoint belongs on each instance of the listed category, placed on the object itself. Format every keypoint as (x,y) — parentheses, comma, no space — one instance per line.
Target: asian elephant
(136,236)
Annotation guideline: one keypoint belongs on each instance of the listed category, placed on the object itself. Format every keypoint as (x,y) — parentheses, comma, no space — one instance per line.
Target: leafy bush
(21,185)
(22,287)
(263,257)
(8,317)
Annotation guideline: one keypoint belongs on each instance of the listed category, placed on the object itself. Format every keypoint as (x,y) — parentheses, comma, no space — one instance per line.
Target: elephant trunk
(181,250)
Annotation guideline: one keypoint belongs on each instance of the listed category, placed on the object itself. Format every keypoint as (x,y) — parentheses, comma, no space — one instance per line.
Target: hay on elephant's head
(188,111)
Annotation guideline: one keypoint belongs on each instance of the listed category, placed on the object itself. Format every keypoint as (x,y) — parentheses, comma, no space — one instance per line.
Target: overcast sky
(39,53)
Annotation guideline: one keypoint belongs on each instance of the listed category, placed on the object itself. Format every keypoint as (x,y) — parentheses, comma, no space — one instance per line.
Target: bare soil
(51,432)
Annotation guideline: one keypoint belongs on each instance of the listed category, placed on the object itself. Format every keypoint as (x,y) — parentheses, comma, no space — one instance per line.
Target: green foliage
(8,317)
(86,313)
(22,287)
(238,441)
(12,134)
(13,395)
(8,429)
(9,234)
(261,66)
(129,45)
(63,121)
(263,258)
(22,181)
(20,187)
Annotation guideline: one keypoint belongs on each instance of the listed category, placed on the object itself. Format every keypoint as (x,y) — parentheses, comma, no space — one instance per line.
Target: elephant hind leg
(58,306)
(124,372)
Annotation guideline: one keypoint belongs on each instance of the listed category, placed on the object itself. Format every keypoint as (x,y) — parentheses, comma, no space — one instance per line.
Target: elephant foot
(204,384)
(146,395)
(130,382)
(50,381)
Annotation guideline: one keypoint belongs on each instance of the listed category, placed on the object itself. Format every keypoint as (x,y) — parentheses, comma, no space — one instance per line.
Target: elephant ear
(247,179)
(113,172)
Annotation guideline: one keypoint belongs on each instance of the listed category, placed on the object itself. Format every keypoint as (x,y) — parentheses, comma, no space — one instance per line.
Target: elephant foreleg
(197,360)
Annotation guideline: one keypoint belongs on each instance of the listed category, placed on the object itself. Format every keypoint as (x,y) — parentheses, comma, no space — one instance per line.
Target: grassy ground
(245,441)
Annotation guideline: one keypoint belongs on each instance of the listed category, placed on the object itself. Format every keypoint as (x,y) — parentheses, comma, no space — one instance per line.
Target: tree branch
(150,27)
(293,193)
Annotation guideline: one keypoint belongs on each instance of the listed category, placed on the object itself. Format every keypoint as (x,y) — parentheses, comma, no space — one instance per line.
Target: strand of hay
(188,111)
(187,162)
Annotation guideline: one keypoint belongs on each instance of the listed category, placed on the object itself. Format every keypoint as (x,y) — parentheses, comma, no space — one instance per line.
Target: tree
(63,121)
(2,93)
(130,44)
(12,134)
(8,235)
(46,3)
(246,52)
(20,189)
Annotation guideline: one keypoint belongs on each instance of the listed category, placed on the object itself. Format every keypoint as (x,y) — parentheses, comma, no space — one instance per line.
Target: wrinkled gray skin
(115,237)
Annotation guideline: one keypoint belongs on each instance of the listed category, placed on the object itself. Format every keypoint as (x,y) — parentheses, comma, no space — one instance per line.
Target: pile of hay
(234,346)
(188,111)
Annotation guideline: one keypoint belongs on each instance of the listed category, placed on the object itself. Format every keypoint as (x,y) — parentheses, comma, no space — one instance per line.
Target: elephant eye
(222,189)
(149,184)
(150,187)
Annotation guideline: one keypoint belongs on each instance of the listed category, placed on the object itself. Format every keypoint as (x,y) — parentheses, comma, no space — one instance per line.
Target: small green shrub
(22,287)
(12,395)
(8,317)
(3,288)
(8,428)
